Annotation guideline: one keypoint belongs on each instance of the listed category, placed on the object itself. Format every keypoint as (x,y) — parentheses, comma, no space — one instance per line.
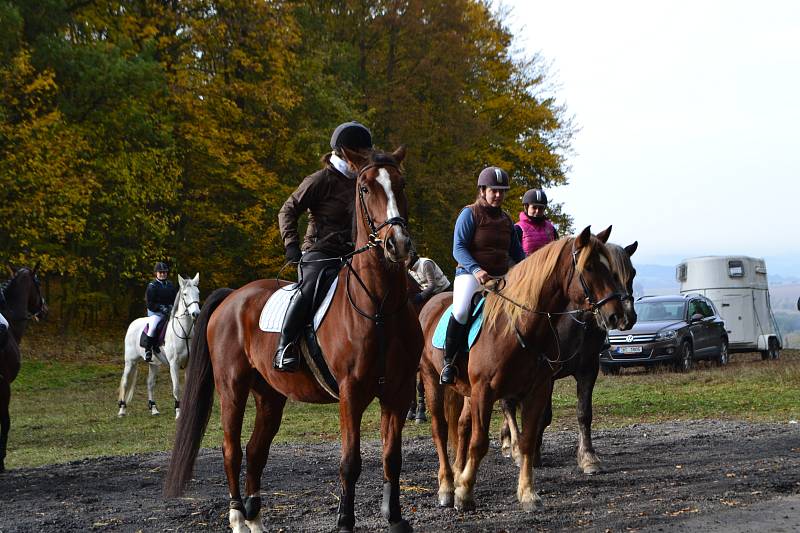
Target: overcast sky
(689,117)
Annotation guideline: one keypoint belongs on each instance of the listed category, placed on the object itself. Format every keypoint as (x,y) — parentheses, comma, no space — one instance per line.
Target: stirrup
(287,359)
(452,367)
(148,356)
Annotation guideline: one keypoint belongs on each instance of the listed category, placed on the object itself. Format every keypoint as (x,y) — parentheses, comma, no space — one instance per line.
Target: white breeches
(464,286)
(153,319)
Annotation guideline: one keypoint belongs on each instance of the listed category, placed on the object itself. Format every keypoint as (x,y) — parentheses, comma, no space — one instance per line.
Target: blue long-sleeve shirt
(462,237)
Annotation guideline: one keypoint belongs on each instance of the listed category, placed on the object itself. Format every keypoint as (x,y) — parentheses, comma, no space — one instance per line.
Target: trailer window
(735,269)
(680,272)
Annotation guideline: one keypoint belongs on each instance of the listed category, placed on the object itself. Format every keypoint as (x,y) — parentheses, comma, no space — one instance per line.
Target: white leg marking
(237,522)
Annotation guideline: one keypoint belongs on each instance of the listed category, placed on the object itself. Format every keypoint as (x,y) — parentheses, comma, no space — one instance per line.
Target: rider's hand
(483,277)
(293,253)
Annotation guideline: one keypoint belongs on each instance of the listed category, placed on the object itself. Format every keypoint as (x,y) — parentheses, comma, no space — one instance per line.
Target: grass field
(64,402)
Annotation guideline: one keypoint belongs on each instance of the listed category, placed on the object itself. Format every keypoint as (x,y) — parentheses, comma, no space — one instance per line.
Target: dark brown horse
(583,365)
(515,356)
(371,339)
(24,302)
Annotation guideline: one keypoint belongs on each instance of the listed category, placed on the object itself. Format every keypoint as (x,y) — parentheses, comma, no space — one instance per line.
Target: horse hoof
(400,527)
(155,412)
(121,413)
(464,505)
(532,505)
(177,414)
(591,470)
(446,499)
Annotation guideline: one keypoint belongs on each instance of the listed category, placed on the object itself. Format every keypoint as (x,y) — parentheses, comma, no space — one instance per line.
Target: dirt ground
(679,476)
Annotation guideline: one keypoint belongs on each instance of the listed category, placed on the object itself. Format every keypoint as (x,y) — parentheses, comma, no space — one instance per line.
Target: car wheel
(610,370)
(684,364)
(723,357)
(774,351)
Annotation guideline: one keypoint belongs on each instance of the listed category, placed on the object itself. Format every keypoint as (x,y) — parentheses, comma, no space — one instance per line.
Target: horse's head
(188,296)
(382,202)
(594,282)
(26,286)
(623,267)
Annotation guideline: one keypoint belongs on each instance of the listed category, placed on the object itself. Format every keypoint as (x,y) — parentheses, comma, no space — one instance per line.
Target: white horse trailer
(738,287)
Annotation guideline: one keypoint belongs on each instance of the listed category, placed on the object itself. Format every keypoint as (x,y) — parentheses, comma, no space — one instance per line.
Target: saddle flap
(271,319)
(475,323)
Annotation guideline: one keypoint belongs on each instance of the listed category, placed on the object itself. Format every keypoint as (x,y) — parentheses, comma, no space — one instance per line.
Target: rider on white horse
(160,296)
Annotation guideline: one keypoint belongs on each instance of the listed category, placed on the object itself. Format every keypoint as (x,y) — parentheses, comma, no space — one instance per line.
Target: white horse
(174,353)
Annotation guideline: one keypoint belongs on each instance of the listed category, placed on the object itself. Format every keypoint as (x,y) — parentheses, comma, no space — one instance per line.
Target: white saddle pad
(271,318)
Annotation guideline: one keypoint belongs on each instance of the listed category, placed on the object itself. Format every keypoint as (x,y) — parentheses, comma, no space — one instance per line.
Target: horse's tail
(196,403)
(453,404)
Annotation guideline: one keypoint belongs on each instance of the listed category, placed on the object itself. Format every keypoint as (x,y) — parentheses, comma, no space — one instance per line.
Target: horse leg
(509,433)
(269,410)
(350,413)
(588,461)
(392,432)
(5,420)
(151,389)
(544,421)
(481,402)
(533,408)
(435,400)
(174,374)
(464,432)
(233,400)
(126,384)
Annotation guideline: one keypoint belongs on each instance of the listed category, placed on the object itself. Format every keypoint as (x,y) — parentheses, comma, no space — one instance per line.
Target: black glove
(293,253)
(165,309)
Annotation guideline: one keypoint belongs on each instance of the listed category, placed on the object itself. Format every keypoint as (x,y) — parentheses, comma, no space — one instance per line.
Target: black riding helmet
(493,177)
(534,197)
(161,267)
(351,135)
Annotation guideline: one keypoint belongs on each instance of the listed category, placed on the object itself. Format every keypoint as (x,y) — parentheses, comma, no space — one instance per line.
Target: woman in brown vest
(483,241)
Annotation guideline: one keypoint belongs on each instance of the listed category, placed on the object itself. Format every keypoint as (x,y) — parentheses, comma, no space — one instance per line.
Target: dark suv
(669,329)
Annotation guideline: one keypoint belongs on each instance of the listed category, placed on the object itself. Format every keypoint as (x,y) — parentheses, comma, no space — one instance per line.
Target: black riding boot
(287,356)
(150,347)
(452,343)
(3,335)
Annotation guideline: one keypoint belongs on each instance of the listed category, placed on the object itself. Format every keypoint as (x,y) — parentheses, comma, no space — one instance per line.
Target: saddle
(271,320)
(474,324)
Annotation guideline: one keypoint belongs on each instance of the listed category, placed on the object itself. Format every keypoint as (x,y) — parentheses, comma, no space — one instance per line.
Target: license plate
(630,349)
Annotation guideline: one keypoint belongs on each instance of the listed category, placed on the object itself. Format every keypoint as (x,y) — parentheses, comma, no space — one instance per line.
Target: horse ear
(604,235)
(584,238)
(36,268)
(11,269)
(355,158)
(196,279)
(181,280)
(399,154)
(631,248)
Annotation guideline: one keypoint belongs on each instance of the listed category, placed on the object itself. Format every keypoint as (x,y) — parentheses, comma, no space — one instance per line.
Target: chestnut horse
(583,366)
(371,339)
(515,356)
(24,302)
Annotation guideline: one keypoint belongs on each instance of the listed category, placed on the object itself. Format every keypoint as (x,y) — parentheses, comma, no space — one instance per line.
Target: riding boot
(3,335)
(452,343)
(148,348)
(155,342)
(287,356)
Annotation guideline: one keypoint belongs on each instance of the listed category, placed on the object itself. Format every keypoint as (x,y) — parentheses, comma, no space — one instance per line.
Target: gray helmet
(493,177)
(352,135)
(161,267)
(535,197)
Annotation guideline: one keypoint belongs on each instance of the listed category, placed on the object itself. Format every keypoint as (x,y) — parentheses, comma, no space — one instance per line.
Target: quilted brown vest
(492,239)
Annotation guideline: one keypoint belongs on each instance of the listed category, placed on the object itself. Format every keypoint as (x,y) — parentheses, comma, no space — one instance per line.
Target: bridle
(394,221)
(186,334)
(35,315)
(593,308)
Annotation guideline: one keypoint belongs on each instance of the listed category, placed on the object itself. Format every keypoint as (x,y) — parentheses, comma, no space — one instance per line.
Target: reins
(187,334)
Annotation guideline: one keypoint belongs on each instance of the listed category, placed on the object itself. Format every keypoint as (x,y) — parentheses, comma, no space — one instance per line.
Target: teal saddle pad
(474,329)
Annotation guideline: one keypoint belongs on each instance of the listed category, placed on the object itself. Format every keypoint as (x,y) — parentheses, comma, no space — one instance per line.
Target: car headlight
(666,335)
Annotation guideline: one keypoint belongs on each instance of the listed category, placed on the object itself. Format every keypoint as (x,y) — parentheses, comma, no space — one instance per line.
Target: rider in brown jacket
(327,196)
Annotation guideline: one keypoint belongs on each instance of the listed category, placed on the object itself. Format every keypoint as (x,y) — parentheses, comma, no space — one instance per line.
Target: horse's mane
(175,303)
(525,281)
